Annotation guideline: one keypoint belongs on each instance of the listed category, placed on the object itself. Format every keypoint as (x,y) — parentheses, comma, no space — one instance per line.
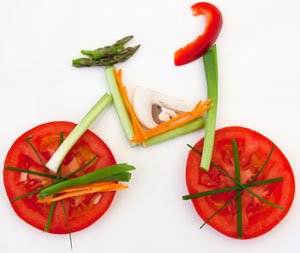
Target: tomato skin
(258,218)
(82,211)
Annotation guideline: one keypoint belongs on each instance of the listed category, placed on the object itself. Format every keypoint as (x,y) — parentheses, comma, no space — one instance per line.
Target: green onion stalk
(57,158)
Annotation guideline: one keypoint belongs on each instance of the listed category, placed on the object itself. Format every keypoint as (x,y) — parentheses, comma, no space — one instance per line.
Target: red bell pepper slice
(200,46)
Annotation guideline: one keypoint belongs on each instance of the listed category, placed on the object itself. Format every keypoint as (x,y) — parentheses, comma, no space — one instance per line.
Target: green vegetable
(232,188)
(107,56)
(36,153)
(124,177)
(67,222)
(102,52)
(122,41)
(30,172)
(50,216)
(219,210)
(55,161)
(211,73)
(91,177)
(52,206)
(119,104)
(182,130)
(239,192)
(121,56)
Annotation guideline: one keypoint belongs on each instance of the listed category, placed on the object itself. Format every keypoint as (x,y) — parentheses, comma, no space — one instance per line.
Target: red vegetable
(200,46)
(257,217)
(82,211)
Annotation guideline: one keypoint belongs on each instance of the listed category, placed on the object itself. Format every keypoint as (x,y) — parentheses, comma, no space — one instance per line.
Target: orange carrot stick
(104,188)
(139,132)
(162,128)
(84,187)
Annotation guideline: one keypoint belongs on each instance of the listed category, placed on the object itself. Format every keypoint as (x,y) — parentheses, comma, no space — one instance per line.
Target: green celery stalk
(182,130)
(211,72)
(119,104)
(57,158)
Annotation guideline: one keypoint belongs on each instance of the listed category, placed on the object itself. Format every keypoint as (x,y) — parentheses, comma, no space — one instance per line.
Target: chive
(179,131)
(239,192)
(232,188)
(219,210)
(234,180)
(47,226)
(248,190)
(91,177)
(79,130)
(30,172)
(68,223)
(211,72)
(50,216)
(27,194)
(80,168)
(119,104)
(263,166)
(59,179)
(36,152)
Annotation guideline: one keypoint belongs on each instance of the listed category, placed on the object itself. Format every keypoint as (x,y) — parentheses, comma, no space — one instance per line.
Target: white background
(258,51)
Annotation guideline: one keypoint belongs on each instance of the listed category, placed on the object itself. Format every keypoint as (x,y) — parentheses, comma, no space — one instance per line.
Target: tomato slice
(254,148)
(81,211)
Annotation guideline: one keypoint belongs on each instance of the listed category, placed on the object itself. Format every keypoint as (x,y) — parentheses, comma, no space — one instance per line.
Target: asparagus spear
(123,40)
(102,52)
(107,55)
(120,56)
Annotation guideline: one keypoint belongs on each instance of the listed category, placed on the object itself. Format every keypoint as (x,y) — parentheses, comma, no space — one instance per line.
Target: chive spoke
(268,181)
(232,188)
(50,216)
(30,172)
(262,199)
(239,195)
(36,152)
(263,166)
(80,168)
(67,222)
(219,210)
(207,193)
(27,194)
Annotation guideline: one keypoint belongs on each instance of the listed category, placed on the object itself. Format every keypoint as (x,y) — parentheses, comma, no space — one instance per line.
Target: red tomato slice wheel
(254,148)
(81,211)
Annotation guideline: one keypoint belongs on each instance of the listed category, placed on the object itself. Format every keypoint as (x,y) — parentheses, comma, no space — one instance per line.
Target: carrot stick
(162,128)
(84,187)
(139,132)
(104,188)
